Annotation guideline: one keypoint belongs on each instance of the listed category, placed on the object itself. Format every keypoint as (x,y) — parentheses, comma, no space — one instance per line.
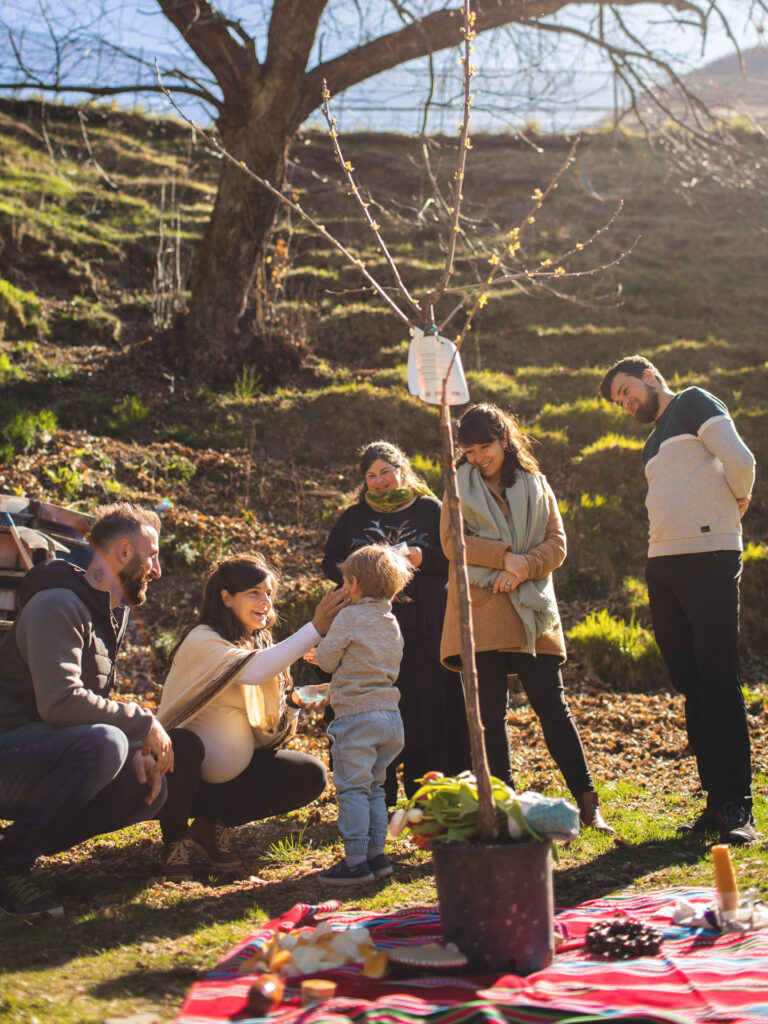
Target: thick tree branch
(292,31)
(208,35)
(437,31)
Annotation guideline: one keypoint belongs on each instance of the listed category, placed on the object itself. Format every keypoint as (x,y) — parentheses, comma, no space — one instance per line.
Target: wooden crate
(9,552)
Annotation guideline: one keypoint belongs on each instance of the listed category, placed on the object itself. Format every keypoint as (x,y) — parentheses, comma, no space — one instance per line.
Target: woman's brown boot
(591,815)
(211,839)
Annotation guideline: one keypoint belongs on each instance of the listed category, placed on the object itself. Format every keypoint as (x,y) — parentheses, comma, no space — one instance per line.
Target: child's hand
(311,656)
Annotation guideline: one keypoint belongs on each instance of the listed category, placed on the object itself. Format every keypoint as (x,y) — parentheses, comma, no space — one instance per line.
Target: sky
(523,77)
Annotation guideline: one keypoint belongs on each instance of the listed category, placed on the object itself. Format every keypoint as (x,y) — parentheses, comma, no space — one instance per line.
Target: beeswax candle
(725,879)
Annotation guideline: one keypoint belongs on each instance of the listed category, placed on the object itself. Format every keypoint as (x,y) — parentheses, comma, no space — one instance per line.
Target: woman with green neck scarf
(393,506)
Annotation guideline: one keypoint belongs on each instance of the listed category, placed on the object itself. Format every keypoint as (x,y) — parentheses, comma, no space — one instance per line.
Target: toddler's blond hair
(379,570)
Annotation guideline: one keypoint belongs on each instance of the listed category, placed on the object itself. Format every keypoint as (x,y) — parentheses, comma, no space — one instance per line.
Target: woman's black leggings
(275,782)
(543,685)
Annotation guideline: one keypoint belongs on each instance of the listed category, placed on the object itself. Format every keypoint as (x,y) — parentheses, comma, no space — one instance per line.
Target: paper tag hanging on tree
(430,359)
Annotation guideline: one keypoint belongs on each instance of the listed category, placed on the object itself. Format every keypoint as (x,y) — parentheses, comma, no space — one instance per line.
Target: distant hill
(730,88)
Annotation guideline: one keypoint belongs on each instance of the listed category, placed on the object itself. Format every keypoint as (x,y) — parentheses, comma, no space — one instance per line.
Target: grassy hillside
(91,238)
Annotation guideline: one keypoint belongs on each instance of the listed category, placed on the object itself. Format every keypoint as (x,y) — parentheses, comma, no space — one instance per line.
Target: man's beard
(648,410)
(134,579)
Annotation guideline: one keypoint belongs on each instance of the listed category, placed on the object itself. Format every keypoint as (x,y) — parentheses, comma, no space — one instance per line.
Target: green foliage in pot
(445,810)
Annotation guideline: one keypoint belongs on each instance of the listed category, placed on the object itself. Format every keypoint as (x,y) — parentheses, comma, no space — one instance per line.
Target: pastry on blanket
(317,990)
(429,956)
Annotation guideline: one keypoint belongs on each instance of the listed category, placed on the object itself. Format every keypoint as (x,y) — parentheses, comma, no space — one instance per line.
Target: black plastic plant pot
(497,904)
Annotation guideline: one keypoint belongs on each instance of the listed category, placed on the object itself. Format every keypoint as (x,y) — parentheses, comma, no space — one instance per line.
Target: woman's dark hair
(390,453)
(484,423)
(236,574)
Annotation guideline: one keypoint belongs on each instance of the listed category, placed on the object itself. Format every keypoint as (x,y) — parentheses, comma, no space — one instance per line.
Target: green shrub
(755,553)
(21,313)
(605,465)
(176,553)
(432,471)
(247,384)
(128,414)
(754,600)
(609,442)
(178,470)
(623,654)
(605,539)
(21,430)
(8,371)
(584,419)
(68,481)
(164,644)
(634,591)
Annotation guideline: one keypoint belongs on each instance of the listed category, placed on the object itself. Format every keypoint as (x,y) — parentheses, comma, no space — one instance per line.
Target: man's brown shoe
(211,839)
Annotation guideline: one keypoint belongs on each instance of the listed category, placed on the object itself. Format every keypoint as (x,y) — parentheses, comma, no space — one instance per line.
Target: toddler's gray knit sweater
(363,649)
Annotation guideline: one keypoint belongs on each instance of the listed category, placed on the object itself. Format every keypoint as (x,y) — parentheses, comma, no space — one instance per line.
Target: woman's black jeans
(275,782)
(543,685)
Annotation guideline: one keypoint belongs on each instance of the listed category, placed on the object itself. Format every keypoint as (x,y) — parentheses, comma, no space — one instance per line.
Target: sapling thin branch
(540,276)
(348,171)
(464,146)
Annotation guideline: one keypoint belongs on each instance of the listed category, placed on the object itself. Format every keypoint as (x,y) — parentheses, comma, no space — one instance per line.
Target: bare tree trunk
(217,335)
(487,826)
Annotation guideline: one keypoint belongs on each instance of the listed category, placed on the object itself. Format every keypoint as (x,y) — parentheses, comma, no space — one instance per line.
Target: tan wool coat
(497,625)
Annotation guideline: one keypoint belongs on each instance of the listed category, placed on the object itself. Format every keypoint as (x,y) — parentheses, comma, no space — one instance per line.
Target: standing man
(700,476)
(73,763)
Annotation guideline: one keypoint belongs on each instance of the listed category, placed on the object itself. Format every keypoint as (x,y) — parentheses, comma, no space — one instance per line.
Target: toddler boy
(363,649)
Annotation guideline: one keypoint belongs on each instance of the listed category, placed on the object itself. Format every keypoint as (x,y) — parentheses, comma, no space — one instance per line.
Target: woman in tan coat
(515,540)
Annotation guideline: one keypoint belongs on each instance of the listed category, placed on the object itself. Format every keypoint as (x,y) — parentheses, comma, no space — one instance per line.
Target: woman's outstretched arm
(271,661)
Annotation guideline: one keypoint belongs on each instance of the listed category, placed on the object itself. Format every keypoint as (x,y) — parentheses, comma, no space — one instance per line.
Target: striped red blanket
(698,975)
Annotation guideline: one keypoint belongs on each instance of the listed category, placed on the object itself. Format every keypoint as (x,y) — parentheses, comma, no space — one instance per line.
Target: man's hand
(158,742)
(146,770)
(743,504)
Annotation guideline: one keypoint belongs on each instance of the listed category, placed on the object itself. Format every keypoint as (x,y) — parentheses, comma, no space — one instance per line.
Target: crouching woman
(228,707)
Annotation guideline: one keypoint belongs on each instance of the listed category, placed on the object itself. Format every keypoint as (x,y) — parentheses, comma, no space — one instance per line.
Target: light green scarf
(524,528)
(392,500)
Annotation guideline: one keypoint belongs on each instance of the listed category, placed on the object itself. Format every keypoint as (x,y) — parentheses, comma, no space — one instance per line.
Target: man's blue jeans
(362,747)
(60,786)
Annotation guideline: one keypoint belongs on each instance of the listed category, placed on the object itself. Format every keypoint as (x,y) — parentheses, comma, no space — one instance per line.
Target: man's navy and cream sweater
(697,467)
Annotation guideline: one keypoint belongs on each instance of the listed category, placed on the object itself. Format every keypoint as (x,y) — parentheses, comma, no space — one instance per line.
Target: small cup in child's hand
(312,697)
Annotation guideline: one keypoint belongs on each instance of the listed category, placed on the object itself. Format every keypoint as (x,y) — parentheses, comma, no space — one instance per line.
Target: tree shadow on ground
(624,864)
(115,896)
(148,983)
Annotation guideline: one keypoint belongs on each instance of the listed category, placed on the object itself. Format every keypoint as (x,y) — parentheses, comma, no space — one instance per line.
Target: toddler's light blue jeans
(362,747)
